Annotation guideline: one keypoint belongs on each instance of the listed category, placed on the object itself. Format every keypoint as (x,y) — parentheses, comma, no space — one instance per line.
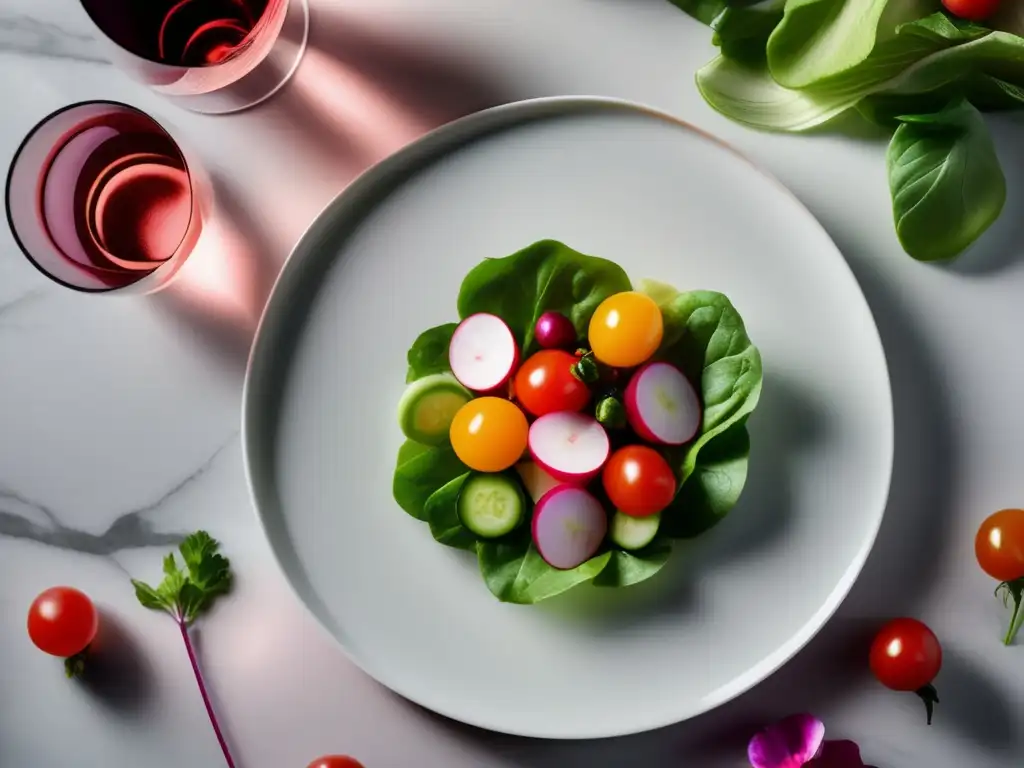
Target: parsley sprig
(187,594)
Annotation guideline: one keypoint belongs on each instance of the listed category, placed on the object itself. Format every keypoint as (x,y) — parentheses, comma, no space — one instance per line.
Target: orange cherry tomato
(626,329)
(999,545)
(489,434)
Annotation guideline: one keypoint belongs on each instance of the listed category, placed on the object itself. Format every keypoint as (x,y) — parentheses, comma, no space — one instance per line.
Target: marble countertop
(119,418)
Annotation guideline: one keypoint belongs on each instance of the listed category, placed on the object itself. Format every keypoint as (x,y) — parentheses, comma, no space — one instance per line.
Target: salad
(571,425)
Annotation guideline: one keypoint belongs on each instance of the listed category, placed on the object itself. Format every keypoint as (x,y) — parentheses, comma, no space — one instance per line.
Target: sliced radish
(569,525)
(483,352)
(661,405)
(571,447)
(537,481)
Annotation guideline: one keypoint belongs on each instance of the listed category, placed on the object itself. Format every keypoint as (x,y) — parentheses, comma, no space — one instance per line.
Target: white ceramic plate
(384,261)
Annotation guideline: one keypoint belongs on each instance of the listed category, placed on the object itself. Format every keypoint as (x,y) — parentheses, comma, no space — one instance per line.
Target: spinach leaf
(627,568)
(713,488)
(946,183)
(705,337)
(429,353)
(420,471)
(441,511)
(542,277)
(516,573)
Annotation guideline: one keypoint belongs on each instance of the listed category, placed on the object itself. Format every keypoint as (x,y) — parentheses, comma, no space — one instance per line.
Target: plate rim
(436,143)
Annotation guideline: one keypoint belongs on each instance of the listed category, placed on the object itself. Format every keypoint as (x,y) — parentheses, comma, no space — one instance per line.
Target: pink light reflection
(348,102)
(220,279)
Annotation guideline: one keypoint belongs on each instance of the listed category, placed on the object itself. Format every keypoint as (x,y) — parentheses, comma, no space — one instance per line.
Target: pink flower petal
(790,743)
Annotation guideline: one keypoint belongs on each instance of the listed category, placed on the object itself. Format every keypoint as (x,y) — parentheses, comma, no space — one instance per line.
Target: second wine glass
(210,56)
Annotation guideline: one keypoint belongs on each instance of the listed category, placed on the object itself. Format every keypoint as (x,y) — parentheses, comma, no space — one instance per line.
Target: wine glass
(102,199)
(210,56)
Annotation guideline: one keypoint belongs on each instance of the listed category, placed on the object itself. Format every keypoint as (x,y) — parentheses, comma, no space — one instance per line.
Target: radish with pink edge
(571,447)
(483,353)
(661,405)
(569,525)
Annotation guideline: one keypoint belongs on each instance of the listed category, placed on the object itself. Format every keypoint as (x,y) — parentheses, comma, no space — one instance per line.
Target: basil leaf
(946,183)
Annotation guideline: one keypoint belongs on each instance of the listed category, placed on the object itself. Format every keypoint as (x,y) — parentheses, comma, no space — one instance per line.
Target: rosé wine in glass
(101,199)
(212,56)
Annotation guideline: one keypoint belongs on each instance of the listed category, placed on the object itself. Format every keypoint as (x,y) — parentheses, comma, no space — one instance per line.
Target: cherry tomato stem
(1015,591)
(930,697)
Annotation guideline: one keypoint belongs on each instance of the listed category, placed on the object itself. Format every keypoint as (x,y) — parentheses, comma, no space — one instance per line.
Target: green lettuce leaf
(627,568)
(420,471)
(821,39)
(429,353)
(516,573)
(750,95)
(946,183)
(441,512)
(542,277)
(713,488)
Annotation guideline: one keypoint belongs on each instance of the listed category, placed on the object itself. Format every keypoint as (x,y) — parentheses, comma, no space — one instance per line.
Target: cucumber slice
(491,505)
(633,533)
(428,405)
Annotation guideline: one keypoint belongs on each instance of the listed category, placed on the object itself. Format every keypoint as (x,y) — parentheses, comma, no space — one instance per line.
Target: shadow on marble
(361,94)
(117,674)
(973,705)
(219,295)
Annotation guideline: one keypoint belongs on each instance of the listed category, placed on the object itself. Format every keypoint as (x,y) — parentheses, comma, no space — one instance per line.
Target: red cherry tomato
(638,481)
(335,761)
(62,621)
(545,384)
(972,10)
(906,656)
(999,545)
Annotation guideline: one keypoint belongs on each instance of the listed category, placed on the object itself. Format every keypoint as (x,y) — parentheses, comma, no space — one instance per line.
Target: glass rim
(247,40)
(10,182)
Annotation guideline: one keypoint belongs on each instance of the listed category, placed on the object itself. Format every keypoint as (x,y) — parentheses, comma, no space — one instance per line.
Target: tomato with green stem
(63,621)
(999,547)
(545,384)
(906,656)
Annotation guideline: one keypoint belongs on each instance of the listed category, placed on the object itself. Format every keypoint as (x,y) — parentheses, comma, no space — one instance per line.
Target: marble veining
(130,530)
(22,34)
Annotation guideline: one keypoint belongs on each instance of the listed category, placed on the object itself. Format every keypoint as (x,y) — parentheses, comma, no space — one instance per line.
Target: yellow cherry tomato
(626,329)
(489,434)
